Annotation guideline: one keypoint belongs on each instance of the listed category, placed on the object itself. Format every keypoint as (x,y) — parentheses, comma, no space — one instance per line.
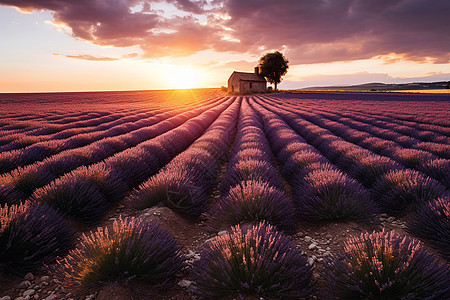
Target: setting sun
(183,76)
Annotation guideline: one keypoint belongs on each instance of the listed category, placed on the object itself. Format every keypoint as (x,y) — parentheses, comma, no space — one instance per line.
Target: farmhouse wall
(247,87)
(246,83)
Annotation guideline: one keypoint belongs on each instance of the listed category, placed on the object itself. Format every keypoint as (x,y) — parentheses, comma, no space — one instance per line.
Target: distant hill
(386,86)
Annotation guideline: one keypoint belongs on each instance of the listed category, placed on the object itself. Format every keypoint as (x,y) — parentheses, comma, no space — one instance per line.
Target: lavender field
(196,194)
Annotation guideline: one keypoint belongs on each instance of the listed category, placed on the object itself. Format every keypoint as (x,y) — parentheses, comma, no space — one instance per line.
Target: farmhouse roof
(248,76)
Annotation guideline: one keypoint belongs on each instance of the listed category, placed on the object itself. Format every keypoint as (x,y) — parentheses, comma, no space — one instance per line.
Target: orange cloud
(88,57)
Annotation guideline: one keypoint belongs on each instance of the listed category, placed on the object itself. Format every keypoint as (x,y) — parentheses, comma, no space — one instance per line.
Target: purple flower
(254,201)
(131,250)
(431,222)
(385,265)
(251,169)
(31,236)
(174,190)
(370,168)
(331,195)
(400,190)
(254,261)
(76,196)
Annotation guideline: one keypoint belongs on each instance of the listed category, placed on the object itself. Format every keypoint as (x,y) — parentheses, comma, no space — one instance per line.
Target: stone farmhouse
(246,83)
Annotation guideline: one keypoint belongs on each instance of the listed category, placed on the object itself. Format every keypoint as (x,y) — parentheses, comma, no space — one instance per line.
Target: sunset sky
(73,45)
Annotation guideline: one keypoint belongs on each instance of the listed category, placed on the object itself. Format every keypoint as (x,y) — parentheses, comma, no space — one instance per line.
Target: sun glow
(183,77)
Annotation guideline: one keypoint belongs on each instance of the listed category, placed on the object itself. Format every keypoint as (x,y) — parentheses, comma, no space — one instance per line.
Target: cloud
(88,57)
(241,65)
(196,7)
(325,31)
(308,31)
(97,58)
(130,55)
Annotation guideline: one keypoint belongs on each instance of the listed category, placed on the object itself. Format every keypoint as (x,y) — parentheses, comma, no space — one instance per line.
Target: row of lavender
(255,259)
(388,127)
(126,127)
(433,139)
(402,148)
(34,233)
(251,189)
(17,140)
(395,189)
(20,132)
(185,184)
(23,181)
(425,112)
(356,159)
(245,262)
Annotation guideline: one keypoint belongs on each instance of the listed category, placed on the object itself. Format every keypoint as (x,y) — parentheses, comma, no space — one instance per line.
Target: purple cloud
(309,31)
(325,31)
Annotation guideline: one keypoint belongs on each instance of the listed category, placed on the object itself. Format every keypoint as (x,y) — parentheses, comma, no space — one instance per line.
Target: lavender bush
(76,196)
(199,164)
(291,148)
(438,169)
(172,189)
(370,168)
(8,193)
(254,261)
(431,222)
(330,195)
(133,166)
(377,145)
(300,162)
(249,153)
(254,201)
(29,178)
(441,150)
(400,190)
(131,250)
(251,169)
(31,235)
(105,179)
(64,162)
(411,158)
(385,265)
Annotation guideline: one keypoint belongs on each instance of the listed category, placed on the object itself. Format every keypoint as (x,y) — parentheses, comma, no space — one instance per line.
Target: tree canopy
(272,66)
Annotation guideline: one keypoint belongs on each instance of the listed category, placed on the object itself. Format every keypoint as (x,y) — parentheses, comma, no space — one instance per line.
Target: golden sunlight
(183,77)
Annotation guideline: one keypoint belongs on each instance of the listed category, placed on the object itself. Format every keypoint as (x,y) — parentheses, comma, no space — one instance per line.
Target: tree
(272,66)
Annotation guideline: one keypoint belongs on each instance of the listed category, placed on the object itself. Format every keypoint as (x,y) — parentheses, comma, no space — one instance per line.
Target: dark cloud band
(310,31)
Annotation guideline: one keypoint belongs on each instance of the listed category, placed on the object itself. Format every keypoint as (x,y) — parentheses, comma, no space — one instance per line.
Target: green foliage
(272,66)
